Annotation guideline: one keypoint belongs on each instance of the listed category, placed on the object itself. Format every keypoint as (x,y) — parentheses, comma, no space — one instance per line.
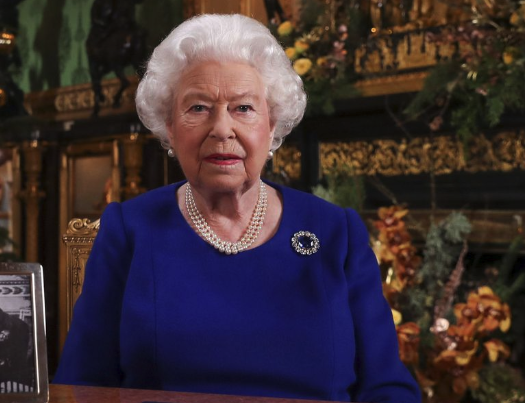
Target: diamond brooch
(305,243)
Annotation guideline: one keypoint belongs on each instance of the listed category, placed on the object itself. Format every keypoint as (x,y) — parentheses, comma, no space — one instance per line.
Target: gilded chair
(78,240)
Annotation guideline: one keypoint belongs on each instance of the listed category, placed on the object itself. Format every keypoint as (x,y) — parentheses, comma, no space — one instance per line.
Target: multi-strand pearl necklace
(249,236)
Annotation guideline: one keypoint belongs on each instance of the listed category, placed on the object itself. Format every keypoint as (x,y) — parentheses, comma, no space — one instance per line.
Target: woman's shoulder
(163,194)
(151,206)
(162,198)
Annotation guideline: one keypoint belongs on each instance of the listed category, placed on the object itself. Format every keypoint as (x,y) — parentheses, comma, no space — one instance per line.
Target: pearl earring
(270,154)
(171,154)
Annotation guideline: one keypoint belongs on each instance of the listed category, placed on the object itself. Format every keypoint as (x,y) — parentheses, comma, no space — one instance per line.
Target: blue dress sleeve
(91,351)
(382,377)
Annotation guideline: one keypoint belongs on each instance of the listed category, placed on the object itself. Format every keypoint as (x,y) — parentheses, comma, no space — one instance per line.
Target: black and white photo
(23,363)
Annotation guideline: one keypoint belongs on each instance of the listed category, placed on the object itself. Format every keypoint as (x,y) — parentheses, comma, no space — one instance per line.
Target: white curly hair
(220,38)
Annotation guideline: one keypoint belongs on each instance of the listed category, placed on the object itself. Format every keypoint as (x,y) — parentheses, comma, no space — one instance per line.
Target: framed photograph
(23,355)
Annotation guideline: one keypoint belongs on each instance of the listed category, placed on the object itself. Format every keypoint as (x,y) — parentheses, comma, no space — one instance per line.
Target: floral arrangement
(485,76)
(468,91)
(318,44)
(453,343)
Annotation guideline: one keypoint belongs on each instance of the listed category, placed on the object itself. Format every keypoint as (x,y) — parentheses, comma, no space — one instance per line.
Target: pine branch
(445,302)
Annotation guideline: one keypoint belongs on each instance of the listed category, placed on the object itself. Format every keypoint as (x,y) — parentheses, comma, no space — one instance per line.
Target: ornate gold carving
(394,84)
(442,154)
(77,270)
(399,52)
(81,226)
(78,240)
(76,102)
(287,161)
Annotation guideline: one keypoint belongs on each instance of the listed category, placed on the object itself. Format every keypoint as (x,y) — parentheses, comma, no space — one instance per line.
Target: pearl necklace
(249,236)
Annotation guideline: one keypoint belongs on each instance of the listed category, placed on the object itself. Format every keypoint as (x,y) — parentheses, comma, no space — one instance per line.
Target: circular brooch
(305,243)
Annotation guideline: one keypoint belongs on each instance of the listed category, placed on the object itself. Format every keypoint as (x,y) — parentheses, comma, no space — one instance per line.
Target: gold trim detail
(81,226)
(287,161)
(78,240)
(395,84)
(442,154)
(398,52)
(76,102)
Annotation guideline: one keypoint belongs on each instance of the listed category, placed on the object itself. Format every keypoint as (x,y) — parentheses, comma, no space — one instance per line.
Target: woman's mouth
(223,159)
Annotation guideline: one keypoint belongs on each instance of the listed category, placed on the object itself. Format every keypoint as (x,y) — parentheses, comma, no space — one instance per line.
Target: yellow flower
(285,28)
(504,325)
(302,66)
(322,61)
(397,316)
(518,16)
(291,53)
(496,348)
(301,46)
(508,57)
(485,291)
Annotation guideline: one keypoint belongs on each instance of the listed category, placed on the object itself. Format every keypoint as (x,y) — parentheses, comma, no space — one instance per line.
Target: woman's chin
(226,182)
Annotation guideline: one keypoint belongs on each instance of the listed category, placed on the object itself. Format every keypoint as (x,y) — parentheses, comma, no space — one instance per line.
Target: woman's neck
(236,205)
(229,213)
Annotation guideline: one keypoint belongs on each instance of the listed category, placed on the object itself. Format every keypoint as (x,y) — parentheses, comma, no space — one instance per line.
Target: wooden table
(91,394)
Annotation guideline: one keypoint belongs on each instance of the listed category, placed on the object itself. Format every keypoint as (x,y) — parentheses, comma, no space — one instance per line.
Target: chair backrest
(79,237)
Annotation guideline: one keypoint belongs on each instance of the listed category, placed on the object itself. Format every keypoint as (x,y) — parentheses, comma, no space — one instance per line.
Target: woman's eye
(198,108)
(244,108)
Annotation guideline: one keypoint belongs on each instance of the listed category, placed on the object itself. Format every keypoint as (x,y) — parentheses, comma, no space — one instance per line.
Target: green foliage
(323,93)
(511,289)
(499,383)
(505,286)
(343,189)
(442,248)
(440,82)
(473,90)
(311,14)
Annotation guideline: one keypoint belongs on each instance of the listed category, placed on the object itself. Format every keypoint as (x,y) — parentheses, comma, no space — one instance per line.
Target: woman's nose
(222,124)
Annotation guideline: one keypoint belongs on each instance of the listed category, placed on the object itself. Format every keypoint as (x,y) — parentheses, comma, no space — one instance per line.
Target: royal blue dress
(162,309)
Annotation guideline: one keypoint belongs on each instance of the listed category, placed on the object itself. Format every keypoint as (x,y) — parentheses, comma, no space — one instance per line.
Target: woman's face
(220,130)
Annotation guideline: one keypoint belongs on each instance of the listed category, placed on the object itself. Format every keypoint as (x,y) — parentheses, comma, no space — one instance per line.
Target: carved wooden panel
(78,240)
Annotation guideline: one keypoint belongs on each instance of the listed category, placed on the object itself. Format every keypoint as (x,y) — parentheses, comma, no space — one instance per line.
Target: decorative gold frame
(33,271)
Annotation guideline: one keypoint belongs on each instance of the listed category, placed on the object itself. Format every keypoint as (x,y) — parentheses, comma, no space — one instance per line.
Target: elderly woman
(225,283)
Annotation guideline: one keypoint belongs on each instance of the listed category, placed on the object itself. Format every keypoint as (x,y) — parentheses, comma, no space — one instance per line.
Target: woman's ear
(272,132)
(169,131)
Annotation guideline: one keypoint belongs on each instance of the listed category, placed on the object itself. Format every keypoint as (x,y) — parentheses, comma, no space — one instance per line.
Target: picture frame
(23,352)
